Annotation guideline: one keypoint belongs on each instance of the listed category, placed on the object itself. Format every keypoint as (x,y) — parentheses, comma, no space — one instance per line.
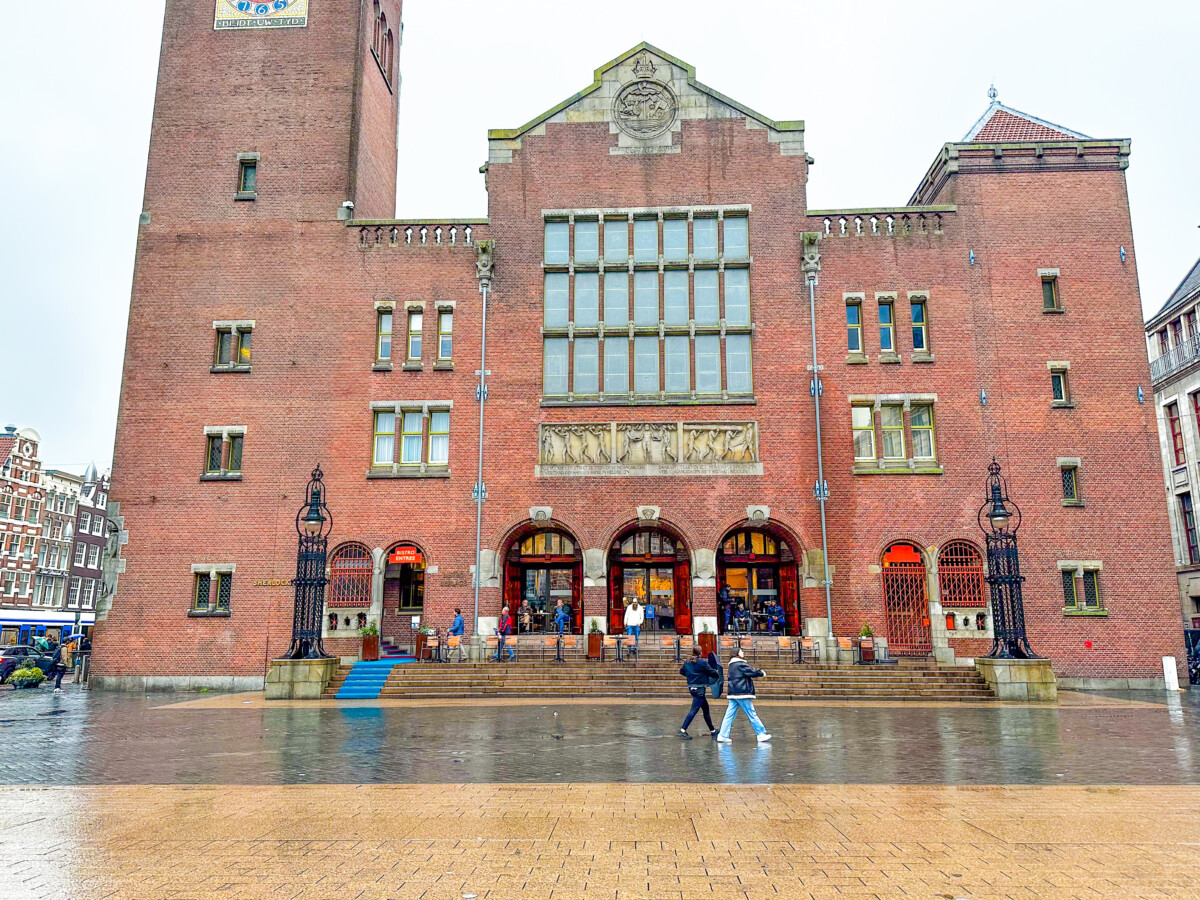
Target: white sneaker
(763,738)
(58,690)
(724,740)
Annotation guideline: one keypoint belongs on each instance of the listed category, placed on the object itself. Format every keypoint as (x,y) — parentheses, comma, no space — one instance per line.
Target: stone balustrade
(417,233)
(900,221)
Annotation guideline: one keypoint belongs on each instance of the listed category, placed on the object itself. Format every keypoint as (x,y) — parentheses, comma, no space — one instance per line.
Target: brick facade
(985,225)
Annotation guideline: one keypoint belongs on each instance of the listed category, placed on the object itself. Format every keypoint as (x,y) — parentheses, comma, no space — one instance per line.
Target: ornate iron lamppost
(313,524)
(1003,518)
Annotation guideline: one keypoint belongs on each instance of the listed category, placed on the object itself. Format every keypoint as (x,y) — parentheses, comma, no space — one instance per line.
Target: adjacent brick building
(21,498)
(649,426)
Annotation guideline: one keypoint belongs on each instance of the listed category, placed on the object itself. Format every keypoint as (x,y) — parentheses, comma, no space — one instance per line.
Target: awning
(33,616)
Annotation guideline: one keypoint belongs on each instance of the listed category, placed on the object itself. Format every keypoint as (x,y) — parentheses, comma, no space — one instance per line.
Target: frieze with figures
(648,448)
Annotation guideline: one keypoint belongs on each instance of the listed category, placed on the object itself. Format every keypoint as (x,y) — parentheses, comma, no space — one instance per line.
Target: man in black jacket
(740,691)
(698,674)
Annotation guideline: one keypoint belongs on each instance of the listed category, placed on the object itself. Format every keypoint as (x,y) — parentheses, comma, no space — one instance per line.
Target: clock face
(235,14)
(28,449)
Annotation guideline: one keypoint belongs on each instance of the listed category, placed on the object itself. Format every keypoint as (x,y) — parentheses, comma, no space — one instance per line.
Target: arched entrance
(403,592)
(757,571)
(541,568)
(652,565)
(906,601)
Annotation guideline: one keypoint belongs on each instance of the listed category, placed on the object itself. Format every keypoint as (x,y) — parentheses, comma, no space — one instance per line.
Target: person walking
(635,615)
(699,675)
(741,698)
(457,629)
(562,617)
(503,630)
(62,661)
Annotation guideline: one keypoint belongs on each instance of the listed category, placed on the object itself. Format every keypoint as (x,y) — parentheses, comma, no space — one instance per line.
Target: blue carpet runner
(366,679)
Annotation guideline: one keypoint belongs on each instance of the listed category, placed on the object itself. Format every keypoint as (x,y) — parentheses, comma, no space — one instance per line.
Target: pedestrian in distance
(635,615)
(741,698)
(503,630)
(699,675)
(62,661)
(457,629)
(562,617)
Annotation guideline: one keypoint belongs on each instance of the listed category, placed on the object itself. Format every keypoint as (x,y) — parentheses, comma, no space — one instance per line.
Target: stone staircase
(919,679)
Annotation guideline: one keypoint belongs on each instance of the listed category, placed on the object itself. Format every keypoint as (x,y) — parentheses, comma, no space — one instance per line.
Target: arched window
(350,576)
(378,31)
(379,44)
(757,584)
(960,573)
(387,64)
(542,568)
(652,566)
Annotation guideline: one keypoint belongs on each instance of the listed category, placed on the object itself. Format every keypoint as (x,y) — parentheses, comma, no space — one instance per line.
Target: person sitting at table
(775,620)
(562,616)
(525,617)
(741,619)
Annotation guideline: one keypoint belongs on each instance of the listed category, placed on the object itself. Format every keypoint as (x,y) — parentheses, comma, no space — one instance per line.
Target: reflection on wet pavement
(82,738)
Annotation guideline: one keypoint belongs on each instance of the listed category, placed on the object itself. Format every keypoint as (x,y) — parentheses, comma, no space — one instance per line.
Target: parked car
(11,658)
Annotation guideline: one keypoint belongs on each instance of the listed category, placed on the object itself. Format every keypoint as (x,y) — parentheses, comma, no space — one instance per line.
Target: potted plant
(29,676)
(595,639)
(707,640)
(866,643)
(370,642)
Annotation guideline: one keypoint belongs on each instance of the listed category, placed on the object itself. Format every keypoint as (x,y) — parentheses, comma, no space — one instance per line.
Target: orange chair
(785,643)
(668,644)
(454,642)
(570,642)
(811,647)
(845,645)
(550,642)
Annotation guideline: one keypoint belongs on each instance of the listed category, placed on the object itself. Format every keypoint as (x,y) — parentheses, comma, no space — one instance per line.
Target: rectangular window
(675,297)
(921,423)
(1164,343)
(675,239)
(887,328)
(616,365)
(439,438)
(737,296)
(704,238)
(645,364)
(645,298)
(920,336)
(891,423)
(212,597)
(213,458)
(1187,518)
(85,521)
(1059,389)
(243,357)
(645,240)
(445,334)
(1050,292)
(737,364)
(677,368)
(224,346)
(233,347)
(737,237)
(384,344)
(73,593)
(89,592)
(26,578)
(1177,332)
(1070,483)
(587,365)
(412,424)
(558,246)
(708,301)
(854,327)
(587,299)
(385,438)
(708,363)
(235,453)
(247,176)
(1190,318)
(416,324)
(587,242)
(1172,413)
(616,240)
(93,561)
(1069,597)
(862,421)
(1091,589)
(554,367)
(80,554)
(616,299)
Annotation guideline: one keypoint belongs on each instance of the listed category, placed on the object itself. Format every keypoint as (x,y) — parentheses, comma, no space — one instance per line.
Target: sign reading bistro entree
(403,555)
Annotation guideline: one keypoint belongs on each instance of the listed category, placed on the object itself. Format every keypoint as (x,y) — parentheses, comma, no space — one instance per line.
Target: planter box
(707,642)
(866,650)
(595,643)
(370,648)
(419,646)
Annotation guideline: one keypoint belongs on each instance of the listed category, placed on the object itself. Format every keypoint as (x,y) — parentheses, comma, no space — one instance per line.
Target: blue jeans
(500,648)
(635,631)
(746,706)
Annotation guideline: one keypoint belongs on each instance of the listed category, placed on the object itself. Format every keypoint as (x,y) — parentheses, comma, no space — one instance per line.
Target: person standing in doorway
(635,615)
(699,675)
(457,629)
(504,630)
(741,698)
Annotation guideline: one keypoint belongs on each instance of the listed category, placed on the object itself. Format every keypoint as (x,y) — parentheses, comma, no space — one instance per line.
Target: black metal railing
(1175,359)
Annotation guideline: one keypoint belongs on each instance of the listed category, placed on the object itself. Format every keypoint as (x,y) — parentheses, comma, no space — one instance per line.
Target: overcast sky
(880,85)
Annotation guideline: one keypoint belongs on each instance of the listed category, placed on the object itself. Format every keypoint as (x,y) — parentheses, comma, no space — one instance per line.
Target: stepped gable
(1002,125)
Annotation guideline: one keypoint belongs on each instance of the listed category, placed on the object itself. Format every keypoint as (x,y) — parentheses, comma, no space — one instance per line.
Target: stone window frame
(1075,464)
(924,355)
(225,432)
(856,299)
(382,308)
(1079,569)
(723,330)
(442,308)
(247,161)
(423,469)
(910,465)
(1061,369)
(215,572)
(889,299)
(234,327)
(411,308)
(1052,277)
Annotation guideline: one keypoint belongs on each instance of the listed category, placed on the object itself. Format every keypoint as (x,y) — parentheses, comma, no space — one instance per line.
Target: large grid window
(410,441)
(1187,517)
(673,323)
(895,436)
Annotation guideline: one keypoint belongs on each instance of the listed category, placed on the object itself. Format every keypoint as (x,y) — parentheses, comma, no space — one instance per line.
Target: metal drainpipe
(481,395)
(821,489)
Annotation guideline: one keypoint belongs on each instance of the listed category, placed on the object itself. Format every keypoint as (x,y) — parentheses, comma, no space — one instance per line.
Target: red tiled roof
(1004,127)
(6,446)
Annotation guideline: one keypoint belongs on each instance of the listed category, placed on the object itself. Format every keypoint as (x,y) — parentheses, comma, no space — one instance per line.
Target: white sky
(880,85)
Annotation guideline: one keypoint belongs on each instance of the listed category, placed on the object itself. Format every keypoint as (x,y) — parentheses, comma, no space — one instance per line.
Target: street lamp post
(313,524)
(999,518)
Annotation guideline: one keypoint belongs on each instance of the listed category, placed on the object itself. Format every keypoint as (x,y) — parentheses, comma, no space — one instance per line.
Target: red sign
(403,555)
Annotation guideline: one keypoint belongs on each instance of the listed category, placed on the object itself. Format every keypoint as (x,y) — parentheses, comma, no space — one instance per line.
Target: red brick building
(649,427)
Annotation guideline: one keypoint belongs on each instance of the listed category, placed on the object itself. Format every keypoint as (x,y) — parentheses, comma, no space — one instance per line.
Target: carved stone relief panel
(649,448)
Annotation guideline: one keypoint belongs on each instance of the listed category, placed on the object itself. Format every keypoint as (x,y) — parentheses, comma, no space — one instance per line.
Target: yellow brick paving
(613,841)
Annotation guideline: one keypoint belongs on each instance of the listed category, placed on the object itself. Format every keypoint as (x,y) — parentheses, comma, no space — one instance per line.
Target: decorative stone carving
(706,566)
(811,261)
(489,573)
(594,566)
(485,261)
(758,513)
(541,513)
(649,448)
(645,108)
(649,513)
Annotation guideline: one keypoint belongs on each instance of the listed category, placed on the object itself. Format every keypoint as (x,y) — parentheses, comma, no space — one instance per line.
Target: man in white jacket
(635,615)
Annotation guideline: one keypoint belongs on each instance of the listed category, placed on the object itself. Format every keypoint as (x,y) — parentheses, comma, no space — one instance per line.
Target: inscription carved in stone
(619,448)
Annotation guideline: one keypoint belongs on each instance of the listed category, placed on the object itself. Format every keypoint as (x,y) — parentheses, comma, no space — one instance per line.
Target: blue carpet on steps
(366,679)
